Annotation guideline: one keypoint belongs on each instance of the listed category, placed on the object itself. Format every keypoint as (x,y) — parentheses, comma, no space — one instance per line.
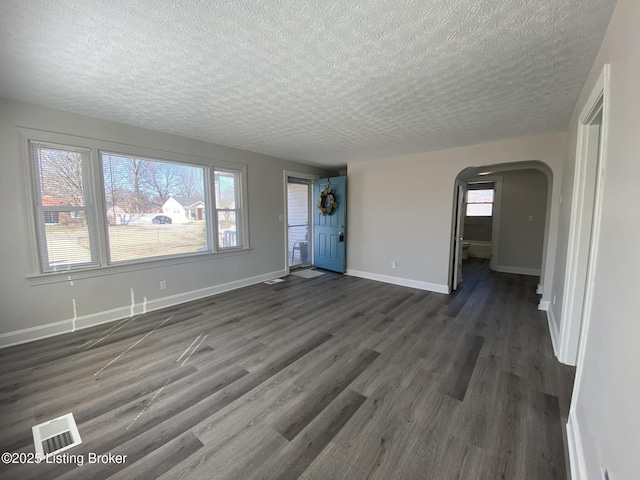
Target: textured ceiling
(322,82)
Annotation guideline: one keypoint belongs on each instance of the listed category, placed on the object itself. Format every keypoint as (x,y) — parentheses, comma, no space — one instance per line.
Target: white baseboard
(576,451)
(35,333)
(65,326)
(517,270)
(544,305)
(553,328)
(404,282)
(539,289)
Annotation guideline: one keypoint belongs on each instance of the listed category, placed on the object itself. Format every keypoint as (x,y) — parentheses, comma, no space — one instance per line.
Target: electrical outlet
(554,299)
(163,285)
(394,264)
(531,218)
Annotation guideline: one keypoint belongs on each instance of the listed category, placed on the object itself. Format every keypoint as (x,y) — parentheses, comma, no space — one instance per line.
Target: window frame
(93,177)
(207,200)
(238,191)
(49,216)
(45,266)
(492,202)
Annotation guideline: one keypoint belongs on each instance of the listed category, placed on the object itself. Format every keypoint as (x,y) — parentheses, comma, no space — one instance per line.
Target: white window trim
(89,206)
(35,273)
(208,197)
(240,214)
(467,202)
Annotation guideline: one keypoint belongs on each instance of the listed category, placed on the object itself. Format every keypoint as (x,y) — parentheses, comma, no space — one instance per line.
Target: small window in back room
(480,203)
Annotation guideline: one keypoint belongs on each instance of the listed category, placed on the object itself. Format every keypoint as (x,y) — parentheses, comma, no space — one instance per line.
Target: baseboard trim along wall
(553,328)
(576,451)
(403,282)
(518,270)
(66,326)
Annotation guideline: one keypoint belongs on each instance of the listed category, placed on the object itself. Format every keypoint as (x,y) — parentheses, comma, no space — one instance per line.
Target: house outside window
(51,218)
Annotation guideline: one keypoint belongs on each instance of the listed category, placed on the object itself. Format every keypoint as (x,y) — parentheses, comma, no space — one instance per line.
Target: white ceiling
(322,82)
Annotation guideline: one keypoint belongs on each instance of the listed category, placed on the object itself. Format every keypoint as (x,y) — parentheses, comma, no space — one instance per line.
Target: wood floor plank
(237,458)
(385,431)
(323,394)
(161,460)
(543,437)
(270,400)
(461,366)
(302,451)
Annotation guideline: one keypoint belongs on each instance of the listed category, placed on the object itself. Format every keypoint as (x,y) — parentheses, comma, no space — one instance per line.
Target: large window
(96,207)
(153,208)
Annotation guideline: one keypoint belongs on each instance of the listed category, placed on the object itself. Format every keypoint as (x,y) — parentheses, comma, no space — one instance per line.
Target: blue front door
(329,246)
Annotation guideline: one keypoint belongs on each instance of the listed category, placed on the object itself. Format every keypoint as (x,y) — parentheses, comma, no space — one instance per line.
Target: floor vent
(56,436)
(274,281)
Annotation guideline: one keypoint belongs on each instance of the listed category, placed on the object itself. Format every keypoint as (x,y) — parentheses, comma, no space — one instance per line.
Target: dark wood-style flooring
(325,378)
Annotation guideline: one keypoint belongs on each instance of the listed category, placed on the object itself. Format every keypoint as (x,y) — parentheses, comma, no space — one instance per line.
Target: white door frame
(495,221)
(495,226)
(584,227)
(304,176)
(458,234)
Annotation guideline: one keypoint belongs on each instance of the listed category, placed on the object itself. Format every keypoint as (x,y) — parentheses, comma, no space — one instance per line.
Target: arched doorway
(519,226)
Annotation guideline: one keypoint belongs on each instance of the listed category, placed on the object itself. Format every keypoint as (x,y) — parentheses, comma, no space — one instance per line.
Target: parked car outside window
(161,219)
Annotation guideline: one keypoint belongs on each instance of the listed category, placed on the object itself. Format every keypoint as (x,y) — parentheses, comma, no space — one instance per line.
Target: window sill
(71,275)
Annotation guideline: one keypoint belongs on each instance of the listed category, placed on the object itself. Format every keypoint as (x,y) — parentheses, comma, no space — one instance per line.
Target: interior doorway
(585,221)
(481,216)
(298,223)
(502,219)
(477,214)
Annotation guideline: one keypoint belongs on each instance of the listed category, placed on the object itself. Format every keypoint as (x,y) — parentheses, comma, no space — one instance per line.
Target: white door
(458,236)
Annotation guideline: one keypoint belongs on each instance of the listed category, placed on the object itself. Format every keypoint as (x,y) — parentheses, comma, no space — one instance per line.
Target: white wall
(605,415)
(29,310)
(524,195)
(401,208)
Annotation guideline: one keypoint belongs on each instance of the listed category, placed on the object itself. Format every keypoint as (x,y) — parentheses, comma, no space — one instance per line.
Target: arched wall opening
(495,172)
